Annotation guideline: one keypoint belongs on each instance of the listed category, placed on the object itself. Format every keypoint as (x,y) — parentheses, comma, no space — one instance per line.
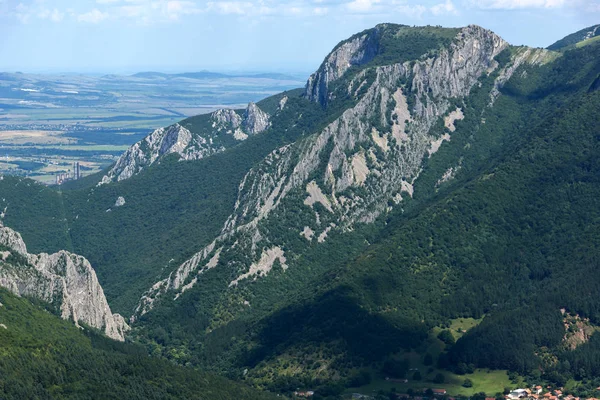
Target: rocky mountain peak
(358,50)
(386,43)
(350,171)
(12,240)
(255,120)
(226,118)
(220,127)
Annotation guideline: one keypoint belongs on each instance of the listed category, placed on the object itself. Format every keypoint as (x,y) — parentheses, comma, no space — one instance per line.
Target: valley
(421,215)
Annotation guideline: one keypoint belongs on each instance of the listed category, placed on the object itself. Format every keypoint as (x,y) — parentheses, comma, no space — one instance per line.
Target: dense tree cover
(45,357)
(515,239)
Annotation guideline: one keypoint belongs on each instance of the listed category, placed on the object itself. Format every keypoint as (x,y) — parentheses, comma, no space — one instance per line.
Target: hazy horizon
(173,71)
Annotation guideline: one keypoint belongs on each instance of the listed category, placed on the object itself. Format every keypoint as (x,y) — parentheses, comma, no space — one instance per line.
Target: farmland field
(50,122)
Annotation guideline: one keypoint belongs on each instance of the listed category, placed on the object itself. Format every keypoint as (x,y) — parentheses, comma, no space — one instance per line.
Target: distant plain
(49,122)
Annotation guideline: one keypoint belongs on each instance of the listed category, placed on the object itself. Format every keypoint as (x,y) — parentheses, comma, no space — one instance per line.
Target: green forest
(44,357)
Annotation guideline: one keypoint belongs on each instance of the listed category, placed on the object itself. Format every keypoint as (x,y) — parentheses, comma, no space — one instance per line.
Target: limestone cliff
(65,280)
(358,50)
(361,164)
(372,152)
(187,142)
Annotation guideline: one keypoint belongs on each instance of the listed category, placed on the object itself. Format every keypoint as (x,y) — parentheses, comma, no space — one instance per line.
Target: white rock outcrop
(63,279)
(177,139)
(120,201)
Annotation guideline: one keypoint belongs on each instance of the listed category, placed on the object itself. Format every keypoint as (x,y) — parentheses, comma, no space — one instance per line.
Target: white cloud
(53,15)
(93,17)
(517,4)
(230,7)
(444,8)
(362,5)
(176,8)
(320,10)
(152,11)
(593,7)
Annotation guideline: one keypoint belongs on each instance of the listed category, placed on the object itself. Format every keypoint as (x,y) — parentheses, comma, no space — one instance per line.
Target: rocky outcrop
(357,50)
(255,120)
(163,141)
(226,118)
(120,201)
(377,145)
(63,279)
(177,139)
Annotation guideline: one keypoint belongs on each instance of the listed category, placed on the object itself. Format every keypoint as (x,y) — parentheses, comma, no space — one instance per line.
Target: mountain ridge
(269,192)
(573,39)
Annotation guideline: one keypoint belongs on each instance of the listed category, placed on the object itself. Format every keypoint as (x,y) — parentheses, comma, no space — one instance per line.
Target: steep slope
(349,172)
(423,174)
(517,139)
(65,280)
(45,357)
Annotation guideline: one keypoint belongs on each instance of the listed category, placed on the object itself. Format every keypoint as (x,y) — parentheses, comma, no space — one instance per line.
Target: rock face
(120,201)
(355,51)
(255,120)
(65,280)
(362,161)
(361,164)
(188,145)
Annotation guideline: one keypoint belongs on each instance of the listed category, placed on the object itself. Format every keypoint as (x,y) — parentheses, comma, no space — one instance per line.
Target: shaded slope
(44,357)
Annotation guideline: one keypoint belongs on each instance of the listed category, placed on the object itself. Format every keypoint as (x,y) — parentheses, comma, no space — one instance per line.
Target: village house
(308,393)
(517,394)
(538,389)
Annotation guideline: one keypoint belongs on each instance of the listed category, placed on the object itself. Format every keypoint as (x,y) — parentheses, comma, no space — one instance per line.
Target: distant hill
(211,75)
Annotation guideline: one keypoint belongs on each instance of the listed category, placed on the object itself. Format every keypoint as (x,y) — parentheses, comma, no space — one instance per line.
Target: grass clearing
(588,42)
(490,382)
(459,326)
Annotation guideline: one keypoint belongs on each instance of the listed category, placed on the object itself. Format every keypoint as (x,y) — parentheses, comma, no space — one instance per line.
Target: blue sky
(120,36)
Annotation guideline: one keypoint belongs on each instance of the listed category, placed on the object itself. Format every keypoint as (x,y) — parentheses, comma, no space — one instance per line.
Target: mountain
(427,201)
(580,37)
(361,149)
(212,134)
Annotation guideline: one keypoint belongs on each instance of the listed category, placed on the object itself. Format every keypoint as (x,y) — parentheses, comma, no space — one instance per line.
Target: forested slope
(45,357)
